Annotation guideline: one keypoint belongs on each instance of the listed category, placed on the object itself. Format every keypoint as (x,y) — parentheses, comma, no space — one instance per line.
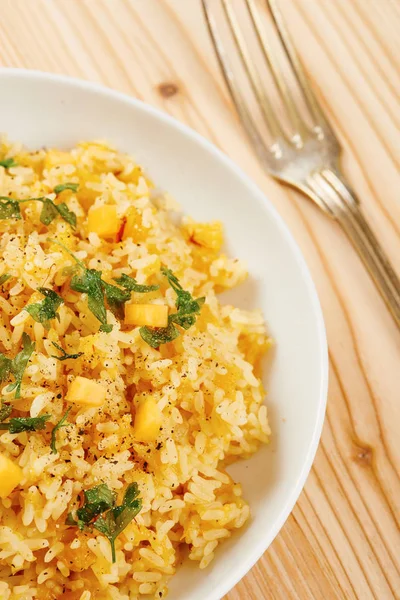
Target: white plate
(47,110)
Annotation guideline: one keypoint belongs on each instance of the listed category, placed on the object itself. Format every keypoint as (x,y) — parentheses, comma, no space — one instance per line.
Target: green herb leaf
(118,518)
(17,365)
(19,424)
(45,310)
(66,186)
(132,285)
(116,299)
(97,500)
(49,212)
(188,308)
(89,282)
(64,355)
(155,336)
(5,411)
(66,214)
(9,208)
(7,163)
(101,499)
(5,277)
(61,423)
(5,367)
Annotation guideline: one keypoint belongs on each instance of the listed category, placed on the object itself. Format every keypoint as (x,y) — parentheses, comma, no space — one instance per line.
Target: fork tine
(234,90)
(268,111)
(297,122)
(309,96)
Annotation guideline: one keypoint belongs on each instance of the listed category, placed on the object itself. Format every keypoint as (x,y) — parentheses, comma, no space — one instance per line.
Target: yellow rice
(206,385)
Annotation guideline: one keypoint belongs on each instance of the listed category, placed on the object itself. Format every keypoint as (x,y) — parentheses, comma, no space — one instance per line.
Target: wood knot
(168,89)
(363,454)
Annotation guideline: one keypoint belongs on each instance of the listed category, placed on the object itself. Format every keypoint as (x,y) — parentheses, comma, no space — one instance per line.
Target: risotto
(126,387)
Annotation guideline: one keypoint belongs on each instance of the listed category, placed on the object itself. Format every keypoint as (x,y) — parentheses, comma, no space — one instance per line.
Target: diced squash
(153,315)
(56,157)
(134,227)
(10,476)
(103,221)
(86,392)
(208,235)
(148,421)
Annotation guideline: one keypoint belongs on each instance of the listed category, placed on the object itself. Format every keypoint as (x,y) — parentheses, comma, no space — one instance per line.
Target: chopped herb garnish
(89,281)
(20,424)
(61,423)
(155,336)
(9,208)
(5,367)
(116,298)
(97,500)
(64,355)
(66,186)
(66,214)
(188,309)
(45,310)
(51,210)
(17,365)
(118,518)
(5,277)
(5,411)
(101,499)
(7,163)
(132,285)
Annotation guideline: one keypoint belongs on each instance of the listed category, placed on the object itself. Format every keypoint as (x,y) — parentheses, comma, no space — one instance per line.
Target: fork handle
(345,207)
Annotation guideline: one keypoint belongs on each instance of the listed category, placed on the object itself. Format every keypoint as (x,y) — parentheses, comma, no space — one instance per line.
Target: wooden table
(342,539)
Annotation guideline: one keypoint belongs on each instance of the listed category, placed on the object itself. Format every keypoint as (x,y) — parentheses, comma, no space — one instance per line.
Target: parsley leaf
(5,367)
(118,518)
(5,411)
(101,499)
(45,310)
(9,208)
(187,311)
(155,336)
(97,500)
(66,214)
(5,277)
(51,210)
(64,355)
(7,163)
(132,285)
(88,281)
(17,365)
(116,299)
(66,186)
(61,423)
(19,424)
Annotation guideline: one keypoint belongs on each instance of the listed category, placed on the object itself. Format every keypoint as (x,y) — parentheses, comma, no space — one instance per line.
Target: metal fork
(309,159)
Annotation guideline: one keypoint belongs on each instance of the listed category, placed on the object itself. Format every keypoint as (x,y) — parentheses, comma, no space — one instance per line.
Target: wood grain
(342,539)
